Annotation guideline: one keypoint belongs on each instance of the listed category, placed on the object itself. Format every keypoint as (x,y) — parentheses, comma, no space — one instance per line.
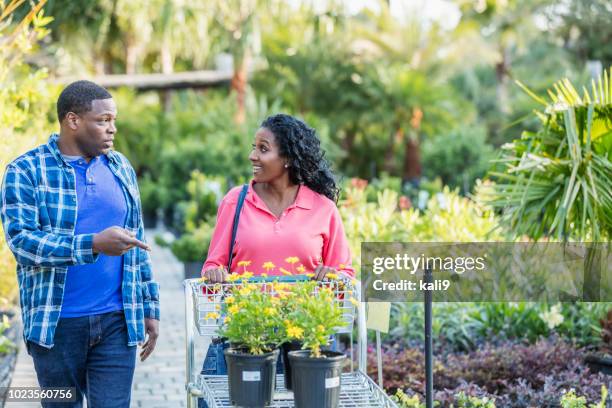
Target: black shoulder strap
(243,193)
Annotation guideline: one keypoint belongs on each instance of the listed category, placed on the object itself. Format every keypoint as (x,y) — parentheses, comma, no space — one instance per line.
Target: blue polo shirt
(95,288)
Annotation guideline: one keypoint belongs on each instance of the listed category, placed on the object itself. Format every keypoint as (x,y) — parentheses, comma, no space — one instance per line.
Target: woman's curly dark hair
(300,144)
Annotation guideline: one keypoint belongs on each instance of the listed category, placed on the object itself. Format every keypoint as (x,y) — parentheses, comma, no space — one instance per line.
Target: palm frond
(557,180)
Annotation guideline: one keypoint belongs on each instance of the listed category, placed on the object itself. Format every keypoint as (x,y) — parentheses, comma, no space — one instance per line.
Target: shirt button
(73,199)
(91,179)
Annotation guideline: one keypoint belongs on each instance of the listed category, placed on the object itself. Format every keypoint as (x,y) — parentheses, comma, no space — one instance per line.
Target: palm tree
(557,180)
(239,19)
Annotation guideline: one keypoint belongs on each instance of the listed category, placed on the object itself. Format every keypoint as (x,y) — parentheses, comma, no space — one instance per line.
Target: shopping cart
(201,298)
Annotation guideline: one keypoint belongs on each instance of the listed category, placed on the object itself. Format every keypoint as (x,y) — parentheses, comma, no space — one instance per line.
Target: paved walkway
(159,382)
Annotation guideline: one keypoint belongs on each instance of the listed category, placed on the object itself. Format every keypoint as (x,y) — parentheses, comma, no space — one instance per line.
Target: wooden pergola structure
(159,82)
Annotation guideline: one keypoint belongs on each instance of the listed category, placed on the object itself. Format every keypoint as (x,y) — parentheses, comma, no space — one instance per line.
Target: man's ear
(72,120)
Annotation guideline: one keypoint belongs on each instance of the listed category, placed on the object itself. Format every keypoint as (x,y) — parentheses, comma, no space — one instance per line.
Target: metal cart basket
(201,298)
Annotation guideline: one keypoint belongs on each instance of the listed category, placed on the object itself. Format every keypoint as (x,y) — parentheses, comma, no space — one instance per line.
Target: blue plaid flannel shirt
(39,211)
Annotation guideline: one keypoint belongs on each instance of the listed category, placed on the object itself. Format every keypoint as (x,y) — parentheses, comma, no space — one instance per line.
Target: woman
(289,222)
(289,211)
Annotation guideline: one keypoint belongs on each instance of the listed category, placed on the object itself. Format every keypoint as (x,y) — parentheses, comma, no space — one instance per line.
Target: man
(72,217)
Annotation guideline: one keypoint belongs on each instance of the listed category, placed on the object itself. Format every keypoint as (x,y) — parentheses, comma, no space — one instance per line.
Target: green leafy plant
(251,318)
(193,246)
(205,193)
(448,217)
(462,326)
(25,96)
(314,316)
(462,400)
(6,344)
(557,179)
(571,400)
(458,157)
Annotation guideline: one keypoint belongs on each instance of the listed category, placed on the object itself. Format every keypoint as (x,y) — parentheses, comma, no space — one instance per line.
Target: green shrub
(571,400)
(205,194)
(193,246)
(6,344)
(462,326)
(461,401)
(458,157)
(26,116)
(448,218)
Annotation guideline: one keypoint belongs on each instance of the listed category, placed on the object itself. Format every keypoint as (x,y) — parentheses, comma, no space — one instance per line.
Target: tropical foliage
(557,179)
(25,97)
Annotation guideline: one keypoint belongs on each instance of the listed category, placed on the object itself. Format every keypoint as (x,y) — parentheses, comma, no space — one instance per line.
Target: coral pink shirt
(309,229)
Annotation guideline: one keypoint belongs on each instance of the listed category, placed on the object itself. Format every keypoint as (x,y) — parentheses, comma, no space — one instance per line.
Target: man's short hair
(77,98)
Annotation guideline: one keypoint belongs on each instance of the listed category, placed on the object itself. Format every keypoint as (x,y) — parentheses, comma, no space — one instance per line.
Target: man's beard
(89,149)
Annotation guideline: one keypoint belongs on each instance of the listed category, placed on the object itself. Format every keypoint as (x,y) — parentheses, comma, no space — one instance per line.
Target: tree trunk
(239,86)
(389,164)
(592,273)
(501,73)
(167,65)
(412,161)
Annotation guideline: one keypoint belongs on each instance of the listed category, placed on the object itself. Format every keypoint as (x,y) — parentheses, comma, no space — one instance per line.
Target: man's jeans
(90,354)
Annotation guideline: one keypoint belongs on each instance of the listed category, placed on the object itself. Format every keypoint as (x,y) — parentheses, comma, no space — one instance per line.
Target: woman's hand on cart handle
(215,275)
(322,270)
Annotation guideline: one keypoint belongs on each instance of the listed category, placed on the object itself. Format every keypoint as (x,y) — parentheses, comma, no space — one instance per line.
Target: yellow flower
(301,269)
(211,316)
(227,319)
(342,266)
(245,291)
(217,307)
(310,275)
(265,275)
(229,300)
(233,277)
(295,332)
(234,309)
(269,311)
(292,259)
(321,328)
(202,279)
(247,275)
(332,276)
(285,272)
(354,301)
(274,300)
(279,287)
(268,265)
(244,263)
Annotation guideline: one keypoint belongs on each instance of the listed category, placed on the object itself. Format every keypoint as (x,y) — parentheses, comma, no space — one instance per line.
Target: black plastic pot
(316,381)
(285,349)
(251,377)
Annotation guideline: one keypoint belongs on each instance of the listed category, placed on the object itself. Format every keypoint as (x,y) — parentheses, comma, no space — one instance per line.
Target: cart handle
(276,278)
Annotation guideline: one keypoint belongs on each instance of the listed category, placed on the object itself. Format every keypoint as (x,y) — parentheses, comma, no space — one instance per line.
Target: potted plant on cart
(251,326)
(316,373)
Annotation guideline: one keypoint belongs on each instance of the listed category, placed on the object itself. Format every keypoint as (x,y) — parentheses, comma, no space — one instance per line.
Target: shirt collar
(304,199)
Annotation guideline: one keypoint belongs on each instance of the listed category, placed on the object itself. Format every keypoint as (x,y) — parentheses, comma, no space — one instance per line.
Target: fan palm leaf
(557,181)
